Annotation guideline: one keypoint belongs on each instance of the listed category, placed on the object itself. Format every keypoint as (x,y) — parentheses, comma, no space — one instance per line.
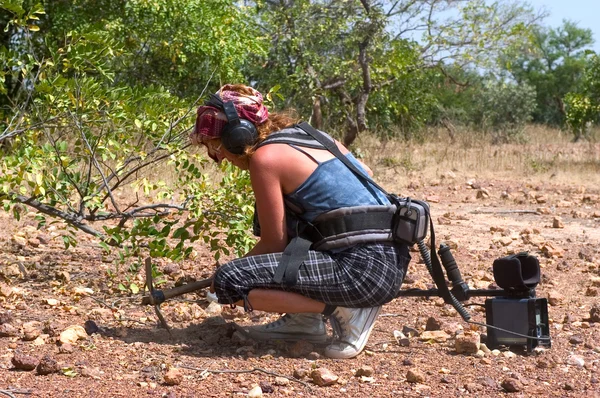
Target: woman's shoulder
(270,155)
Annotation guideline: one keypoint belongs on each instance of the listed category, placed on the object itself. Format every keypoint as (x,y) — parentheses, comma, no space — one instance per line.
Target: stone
(300,348)
(569,386)
(72,334)
(467,343)
(11,270)
(364,370)
(555,298)
(433,324)
(483,194)
(8,330)
(511,385)
(5,317)
(409,331)
(171,269)
(452,328)
(32,330)
(414,376)
(576,360)
(63,276)
(557,223)
(173,377)
(487,381)
(255,392)
(90,327)
(439,336)
(266,387)
(214,309)
(281,381)
(66,348)
(541,199)
(5,290)
(47,366)
(472,387)
(509,354)
(504,240)
(576,339)
(595,313)
(543,364)
(24,362)
(551,251)
(300,373)
(92,373)
(323,377)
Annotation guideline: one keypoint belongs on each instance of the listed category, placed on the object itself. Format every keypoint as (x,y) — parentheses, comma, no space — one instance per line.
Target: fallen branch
(305,384)
(10,393)
(505,212)
(390,315)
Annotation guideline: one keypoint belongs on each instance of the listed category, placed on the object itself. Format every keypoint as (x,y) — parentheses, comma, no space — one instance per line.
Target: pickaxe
(157,297)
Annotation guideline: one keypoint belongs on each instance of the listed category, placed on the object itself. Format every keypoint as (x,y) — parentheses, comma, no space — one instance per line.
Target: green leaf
(69,372)
(134,288)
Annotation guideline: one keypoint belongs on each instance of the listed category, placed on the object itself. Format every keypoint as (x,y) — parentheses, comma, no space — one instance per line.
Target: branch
(137,212)
(54,212)
(305,384)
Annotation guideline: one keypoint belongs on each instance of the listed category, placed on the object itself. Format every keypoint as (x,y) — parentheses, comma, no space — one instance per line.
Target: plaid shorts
(361,276)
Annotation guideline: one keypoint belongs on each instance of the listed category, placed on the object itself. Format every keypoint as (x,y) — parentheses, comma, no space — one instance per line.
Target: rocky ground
(66,330)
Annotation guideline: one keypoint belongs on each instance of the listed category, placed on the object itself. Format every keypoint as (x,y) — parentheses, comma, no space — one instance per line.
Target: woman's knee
(223,277)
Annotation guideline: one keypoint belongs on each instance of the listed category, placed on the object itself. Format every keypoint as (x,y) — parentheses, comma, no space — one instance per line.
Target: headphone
(238,133)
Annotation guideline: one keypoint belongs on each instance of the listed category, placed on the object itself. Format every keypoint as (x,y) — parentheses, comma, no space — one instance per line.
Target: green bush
(503,109)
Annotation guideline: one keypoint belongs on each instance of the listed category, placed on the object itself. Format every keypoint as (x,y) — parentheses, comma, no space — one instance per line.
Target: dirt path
(45,290)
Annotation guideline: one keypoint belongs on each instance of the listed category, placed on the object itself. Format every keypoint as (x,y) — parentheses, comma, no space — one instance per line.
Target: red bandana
(210,121)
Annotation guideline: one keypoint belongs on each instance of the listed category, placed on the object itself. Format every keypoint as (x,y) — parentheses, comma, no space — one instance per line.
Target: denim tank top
(332,186)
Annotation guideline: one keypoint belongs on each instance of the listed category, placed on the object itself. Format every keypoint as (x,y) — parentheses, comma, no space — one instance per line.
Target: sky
(585,13)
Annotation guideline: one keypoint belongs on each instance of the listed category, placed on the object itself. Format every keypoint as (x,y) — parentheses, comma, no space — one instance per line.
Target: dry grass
(547,155)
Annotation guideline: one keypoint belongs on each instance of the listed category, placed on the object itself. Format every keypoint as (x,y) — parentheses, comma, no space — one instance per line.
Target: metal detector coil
(515,316)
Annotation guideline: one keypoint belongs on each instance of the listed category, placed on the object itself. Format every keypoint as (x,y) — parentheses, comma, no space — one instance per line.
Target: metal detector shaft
(470,293)
(159,296)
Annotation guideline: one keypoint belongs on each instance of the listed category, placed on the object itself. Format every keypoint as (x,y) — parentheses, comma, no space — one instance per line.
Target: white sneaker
(353,327)
(212,297)
(292,327)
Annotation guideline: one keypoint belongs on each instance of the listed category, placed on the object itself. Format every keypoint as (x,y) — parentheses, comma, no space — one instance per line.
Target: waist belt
(336,229)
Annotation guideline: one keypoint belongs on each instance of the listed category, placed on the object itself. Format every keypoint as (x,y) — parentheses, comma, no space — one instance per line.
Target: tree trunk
(316,119)
(359,125)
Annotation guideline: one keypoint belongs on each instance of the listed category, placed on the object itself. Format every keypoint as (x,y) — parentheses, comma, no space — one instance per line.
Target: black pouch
(411,220)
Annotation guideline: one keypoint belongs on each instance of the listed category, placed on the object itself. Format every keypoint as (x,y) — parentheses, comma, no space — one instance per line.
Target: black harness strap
(294,255)
(350,223)
(333,148)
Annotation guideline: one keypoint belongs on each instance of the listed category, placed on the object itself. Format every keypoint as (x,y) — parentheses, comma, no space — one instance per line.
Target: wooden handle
(187,288)
(179,290)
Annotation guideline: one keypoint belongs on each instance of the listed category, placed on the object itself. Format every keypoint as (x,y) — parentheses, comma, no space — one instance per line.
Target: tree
(87,132)
(337,54)
(583,106)
(503,109)
(552,63)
